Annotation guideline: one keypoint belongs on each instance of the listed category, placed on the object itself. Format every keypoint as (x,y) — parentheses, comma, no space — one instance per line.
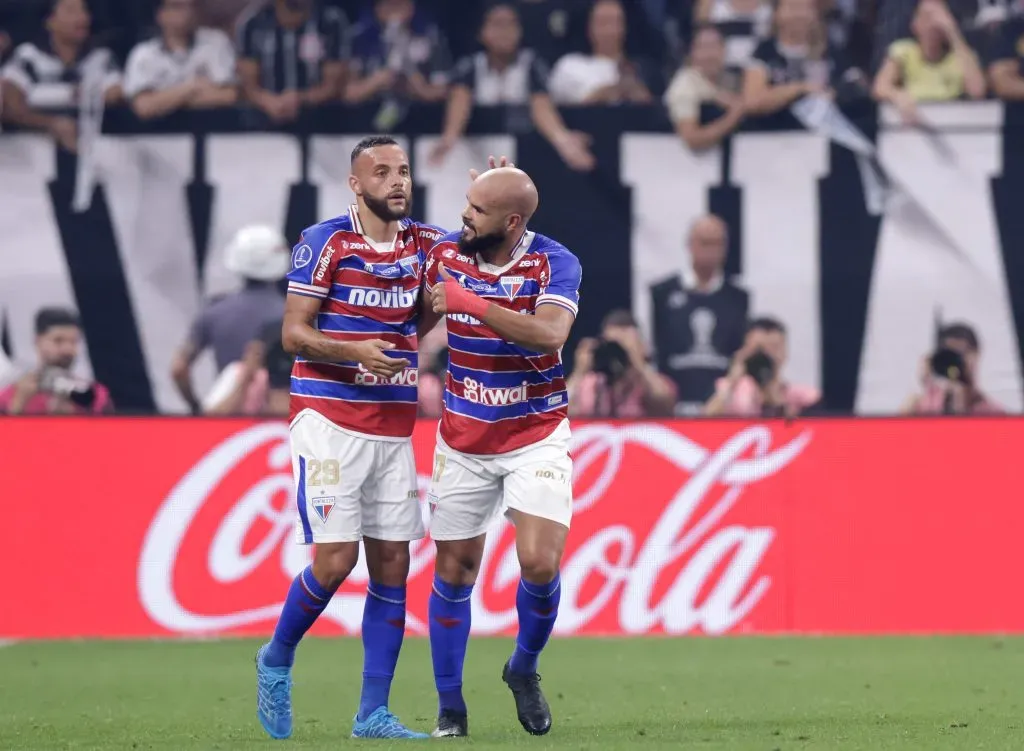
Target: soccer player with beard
(510,296)
(350,319)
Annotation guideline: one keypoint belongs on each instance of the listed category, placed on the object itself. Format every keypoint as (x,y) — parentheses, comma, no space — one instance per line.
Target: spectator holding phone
(949,377)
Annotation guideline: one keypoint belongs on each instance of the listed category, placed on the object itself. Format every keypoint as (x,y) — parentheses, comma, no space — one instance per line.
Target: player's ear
(353,185)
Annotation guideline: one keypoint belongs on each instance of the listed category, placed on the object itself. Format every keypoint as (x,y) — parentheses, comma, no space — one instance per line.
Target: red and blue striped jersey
(367,294)
(499,396)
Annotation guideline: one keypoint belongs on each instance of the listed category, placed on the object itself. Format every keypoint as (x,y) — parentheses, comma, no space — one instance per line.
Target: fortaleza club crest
(511,285)
(323,506)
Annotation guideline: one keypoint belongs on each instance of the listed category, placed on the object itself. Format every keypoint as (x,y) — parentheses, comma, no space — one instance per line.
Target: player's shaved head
(507,189)
(501,202)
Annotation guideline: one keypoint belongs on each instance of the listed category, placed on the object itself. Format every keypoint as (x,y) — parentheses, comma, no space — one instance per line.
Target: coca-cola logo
(659,543)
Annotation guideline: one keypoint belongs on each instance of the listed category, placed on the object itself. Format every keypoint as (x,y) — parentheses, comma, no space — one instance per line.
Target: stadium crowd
(748,58)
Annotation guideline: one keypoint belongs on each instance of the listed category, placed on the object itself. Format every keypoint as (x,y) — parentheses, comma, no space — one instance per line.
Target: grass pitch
(734,694)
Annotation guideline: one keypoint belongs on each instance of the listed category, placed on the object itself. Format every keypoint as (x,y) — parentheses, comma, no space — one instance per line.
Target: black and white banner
(858,291)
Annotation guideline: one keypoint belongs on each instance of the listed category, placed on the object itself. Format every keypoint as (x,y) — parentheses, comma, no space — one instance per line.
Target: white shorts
(468,491)
(351,486)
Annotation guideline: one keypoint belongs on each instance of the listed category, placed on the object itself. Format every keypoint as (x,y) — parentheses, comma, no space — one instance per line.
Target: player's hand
(384,79)
(583,359)
(448,296)
(440,152)
(492,163)
(907,108)
(574,148)
(253,358)
(629,339)
(370,354)
(65,131)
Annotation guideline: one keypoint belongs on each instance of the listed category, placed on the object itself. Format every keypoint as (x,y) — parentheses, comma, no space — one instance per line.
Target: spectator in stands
(258,385)
(52,388)
(949,377)
(705,80)
(293,56)
(185,66)
(1005,71)
(936,64)
(743,24)
(399,56)
(606,75)
(506,74)
(612,377)
(754,385)
(43,83)
(796,61)
(261,257)
(699,317)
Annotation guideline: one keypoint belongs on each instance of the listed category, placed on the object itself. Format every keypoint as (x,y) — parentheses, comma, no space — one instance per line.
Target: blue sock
(383,631)
(449,615)
(537,605)
(305,602)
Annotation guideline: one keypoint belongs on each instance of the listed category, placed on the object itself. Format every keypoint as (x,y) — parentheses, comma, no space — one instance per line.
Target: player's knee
(387,562)
(458,562)
(539,566)
(333,563)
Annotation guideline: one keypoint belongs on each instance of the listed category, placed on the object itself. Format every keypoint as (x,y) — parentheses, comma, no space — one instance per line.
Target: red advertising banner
(154,527)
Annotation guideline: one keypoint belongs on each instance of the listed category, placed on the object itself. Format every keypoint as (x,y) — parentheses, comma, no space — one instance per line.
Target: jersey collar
(517,253)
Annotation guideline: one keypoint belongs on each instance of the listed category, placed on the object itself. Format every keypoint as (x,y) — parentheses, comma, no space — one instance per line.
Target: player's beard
(481,243)
(380,208)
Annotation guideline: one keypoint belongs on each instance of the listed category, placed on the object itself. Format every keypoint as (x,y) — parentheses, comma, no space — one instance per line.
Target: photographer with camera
(754,385)
(259,383)
(611,376)
(52,388)
(949,377)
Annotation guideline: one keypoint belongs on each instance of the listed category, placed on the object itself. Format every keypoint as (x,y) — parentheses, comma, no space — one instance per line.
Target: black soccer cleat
(451,724)
(531,706)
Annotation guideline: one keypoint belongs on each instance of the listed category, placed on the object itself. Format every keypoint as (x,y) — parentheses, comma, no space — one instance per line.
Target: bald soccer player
(510,296)
(351,320)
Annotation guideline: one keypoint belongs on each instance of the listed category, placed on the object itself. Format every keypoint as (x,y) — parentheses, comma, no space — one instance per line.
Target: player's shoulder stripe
(549,246)
(322,232)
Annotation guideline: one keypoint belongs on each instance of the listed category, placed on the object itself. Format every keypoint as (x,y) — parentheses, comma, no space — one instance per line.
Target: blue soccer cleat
(273,698)
(382,724)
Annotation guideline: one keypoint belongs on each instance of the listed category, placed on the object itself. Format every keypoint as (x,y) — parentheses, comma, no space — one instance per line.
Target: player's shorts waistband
(561,434)
(313,414)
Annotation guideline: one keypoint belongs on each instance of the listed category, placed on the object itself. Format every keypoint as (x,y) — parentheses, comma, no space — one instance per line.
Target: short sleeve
(763,55)
(539,75)
(17,71)
(335,35)
(199,335)
(682,99)
(314,260)
(463,74)
(222,59)
(140,72)
(560,282)
(247,38)
(562,84)
(436,255)
(439,66)
(900,51)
